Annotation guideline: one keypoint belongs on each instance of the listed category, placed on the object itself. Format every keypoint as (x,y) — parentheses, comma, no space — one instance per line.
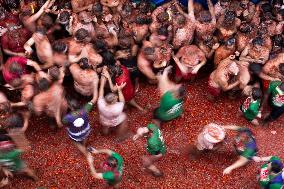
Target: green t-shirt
(109,176)
(155,144)
(170,107)
(277,95)
(250,108)
(265,176)
(12,160)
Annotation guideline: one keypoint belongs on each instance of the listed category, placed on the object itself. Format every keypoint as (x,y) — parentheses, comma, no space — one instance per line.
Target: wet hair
(110,97)
(99,45)
(43,84)
(40,3)
(257,41)
(12,4)
(84,63)
(281,68)
(163,31)
(64,17)
(278,40)
(255,68)
(143,20)
(16,68)
(182,91)
(245,28)
(54,73)
(281,12)
(266,7)
(127,8)
(59,47)
(231,41)
(145,6)
(163,17)
(5,108)
(149,50)
(125,42)
(14,121)
(256,93)
(112,162)
(97,9)
(108,58)
(116,71)
(46,21)
(205,16)
(41,30)
(81,34)
(229,16)
(276,166)
(180,19)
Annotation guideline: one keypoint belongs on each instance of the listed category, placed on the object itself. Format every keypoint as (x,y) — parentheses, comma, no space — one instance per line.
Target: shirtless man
(184,27)
(81,5)
(43,47)
(140,28)
(246,10)
(83,20)
(219,79)
(110,3)
(145,59)
(160,16)
(220,7)
(263,33)
(275,67)
(189,59)
(244,35)
(225,51)
(227,25)
(29,19)
(85,79)
(60,56)
(256,50)
(51,101)
(14,39)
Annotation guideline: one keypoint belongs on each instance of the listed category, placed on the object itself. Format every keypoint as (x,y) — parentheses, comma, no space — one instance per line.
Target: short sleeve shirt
(155,144)
(110,176)
(7,74)
(250,108)
(277,95)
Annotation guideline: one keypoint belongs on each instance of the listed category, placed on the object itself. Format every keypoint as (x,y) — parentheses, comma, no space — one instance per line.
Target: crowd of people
(57,54)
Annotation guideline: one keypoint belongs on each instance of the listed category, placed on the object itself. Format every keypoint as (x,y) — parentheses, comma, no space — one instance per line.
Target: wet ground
(60,165)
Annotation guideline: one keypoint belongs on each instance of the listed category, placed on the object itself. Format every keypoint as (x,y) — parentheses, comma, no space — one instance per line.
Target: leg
(134,104)
(255,122)
(30,173)
(81,147)
(148,163)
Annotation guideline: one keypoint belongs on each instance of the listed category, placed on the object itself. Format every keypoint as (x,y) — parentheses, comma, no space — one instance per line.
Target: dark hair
(143,20)
(278,40)
(54,73)
(205,16)
(127,7)
(43,84)
(46,21)
(97,9)
(112,162)
(108,58)
(99,44)
(229,16)
(256,93)
(81,34)
(14,121)
(163,30)
(145,6)
(245,28)
(41,30)
(59,46)
(163,17)
(116,71)
(124,42)
(257,41)
(180,19)
(149,50)
(266,7)
(281,68)
(281,11)
(12,4)
(5,108)
(16,68)
(276,167)
(255,68)
(64,17)
(84,63)
(182,91)
(73,104)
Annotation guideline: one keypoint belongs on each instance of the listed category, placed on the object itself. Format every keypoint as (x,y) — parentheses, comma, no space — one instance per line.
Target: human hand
(227,171)
(232,57)
(216,46)
(119,87)
(135,137)
(256,159)
(108,17)
(237,53)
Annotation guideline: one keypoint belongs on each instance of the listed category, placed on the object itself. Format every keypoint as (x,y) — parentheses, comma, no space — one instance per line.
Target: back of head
(99,45)
(110,98)
(229,16)
(255,68)
(181,19)
(276,166)
(258,41)
(47,21)
(64,17)
(16,68)
(14,121)
(163,31)
(108,58)
(43,84)
(245,28)
(205,16)
(256,93)
(163,17)
(81,34)
(59,47)
(84,63)
(97,9)
(54,73)
(266,7)
(12,4)
(281,68)
(149,50)
(143,20)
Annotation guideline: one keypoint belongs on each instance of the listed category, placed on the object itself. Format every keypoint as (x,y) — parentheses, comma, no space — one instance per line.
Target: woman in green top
(155,146)
(172,97)
(250,107)
(113,167)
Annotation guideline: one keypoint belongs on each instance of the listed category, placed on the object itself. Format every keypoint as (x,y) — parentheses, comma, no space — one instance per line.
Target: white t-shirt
(111,115)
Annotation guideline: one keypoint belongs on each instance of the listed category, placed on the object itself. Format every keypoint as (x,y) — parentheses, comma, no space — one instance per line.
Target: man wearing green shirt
(275,93)
(155,146)
(271,174)
(250,107)
(113,167)
(172,96)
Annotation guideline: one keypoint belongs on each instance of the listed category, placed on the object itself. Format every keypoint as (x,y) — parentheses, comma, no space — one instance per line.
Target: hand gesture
(216,46)
(119,87)
(227,171)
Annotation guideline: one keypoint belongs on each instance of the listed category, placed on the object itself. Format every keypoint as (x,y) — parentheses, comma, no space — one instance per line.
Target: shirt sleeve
(248,153)
(108,176)
(118,158)
(88,107)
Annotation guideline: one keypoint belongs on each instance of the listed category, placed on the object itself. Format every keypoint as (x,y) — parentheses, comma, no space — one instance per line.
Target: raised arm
(212,11)
(28,45)
(95,90)
(239,163)
(33,64)
(190,7)
(120,94)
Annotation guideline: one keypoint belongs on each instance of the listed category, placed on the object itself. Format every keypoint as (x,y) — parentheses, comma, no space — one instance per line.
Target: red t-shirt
(16,45)
(128,91)
(7,74)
